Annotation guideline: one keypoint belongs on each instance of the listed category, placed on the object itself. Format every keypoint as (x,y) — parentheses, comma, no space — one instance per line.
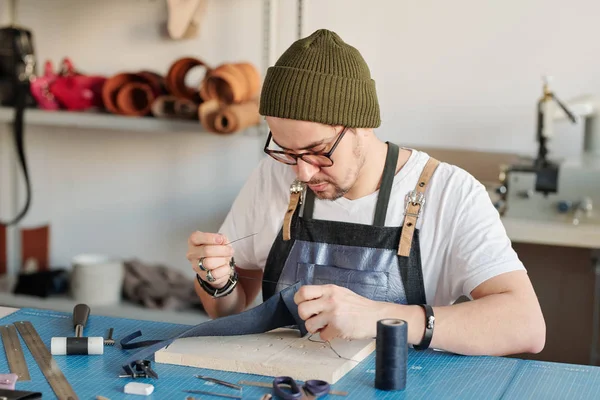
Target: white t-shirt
(463,241)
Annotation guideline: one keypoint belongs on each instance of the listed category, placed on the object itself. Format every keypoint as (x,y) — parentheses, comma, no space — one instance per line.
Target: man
(375,232)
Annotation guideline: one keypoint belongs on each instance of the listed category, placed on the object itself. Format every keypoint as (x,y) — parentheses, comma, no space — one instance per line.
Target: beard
(336,190)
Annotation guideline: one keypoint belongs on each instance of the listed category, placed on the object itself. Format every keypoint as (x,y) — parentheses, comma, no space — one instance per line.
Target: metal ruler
(47,364)
(14,352)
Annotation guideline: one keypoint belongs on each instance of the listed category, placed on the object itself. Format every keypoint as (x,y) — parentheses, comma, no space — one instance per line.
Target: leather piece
(129,93)
(176,75)
(371,272)
(225,118)
(19,394)
(277,312)
(231,83)
(287,220)
(236,117)
(410,220)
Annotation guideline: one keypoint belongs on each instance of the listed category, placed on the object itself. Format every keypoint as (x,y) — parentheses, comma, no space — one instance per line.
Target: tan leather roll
(231,83)
(236,117)
(207,111)
(175,79)
(217,117)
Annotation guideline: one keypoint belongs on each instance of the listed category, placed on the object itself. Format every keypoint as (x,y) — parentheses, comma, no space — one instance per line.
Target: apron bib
(375,261)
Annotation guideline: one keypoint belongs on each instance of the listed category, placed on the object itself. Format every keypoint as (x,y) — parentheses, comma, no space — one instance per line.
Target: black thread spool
(391,354)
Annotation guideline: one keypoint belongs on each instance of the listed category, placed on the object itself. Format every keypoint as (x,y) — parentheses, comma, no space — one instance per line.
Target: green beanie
(321,79)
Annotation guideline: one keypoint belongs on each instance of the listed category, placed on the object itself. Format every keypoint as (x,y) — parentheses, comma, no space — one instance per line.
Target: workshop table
(431,374)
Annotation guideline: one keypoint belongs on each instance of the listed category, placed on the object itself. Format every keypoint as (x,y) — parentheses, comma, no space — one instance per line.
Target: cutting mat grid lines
(431,375)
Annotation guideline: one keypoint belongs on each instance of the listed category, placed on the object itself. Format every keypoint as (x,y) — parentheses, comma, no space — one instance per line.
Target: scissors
(311,389)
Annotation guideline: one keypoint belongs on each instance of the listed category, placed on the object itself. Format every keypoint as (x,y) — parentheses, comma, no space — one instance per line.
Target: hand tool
(109,341)
(311,387)
(45,361)
(14,352)
(268,385)
(219,382)
(139,369)
(78,345)
(229,396)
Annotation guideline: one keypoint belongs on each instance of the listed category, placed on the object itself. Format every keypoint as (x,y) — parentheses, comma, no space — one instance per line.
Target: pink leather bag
(40,88)
(75,91)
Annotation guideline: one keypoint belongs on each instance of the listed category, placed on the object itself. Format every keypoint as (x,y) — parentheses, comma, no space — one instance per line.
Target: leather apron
(375,261)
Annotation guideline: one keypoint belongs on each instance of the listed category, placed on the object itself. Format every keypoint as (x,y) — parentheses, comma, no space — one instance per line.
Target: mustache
(317,182)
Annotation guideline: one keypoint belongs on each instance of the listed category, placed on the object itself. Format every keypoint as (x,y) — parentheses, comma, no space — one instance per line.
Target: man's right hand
(215,254)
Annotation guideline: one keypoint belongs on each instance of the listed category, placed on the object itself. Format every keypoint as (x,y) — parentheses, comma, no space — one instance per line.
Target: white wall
(463,74)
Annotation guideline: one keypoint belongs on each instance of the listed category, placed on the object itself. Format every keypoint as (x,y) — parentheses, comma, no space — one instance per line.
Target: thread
(391,354)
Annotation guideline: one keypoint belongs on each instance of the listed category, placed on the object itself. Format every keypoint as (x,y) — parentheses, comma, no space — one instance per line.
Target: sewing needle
(233,241)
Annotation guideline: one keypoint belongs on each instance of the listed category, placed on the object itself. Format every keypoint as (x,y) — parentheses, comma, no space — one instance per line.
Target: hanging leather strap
(296,191)
(414,204)
(18,137)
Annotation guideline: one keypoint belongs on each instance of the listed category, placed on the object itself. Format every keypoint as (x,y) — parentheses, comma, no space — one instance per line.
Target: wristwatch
(429,325)
(225,290)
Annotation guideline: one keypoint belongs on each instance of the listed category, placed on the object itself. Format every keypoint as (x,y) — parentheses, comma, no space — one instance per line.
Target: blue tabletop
(431,374)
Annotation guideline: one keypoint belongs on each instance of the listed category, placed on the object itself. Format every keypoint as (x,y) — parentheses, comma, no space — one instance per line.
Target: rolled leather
(176,76)
(231,83)
(236,117)
(130,93)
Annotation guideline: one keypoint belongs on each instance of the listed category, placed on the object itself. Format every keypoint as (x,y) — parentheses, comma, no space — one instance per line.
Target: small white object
(97,280)
(139,388)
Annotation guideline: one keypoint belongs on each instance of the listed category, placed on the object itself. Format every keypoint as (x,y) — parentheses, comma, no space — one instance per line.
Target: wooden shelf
(100,120)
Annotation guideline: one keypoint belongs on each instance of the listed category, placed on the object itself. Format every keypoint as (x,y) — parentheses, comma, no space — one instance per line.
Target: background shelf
(100,120)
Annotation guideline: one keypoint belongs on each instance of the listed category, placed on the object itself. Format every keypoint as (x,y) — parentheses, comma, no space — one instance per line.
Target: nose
(305,171)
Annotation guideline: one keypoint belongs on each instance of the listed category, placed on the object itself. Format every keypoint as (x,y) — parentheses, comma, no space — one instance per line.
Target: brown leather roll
(175,79)
(135,99)
(134,105)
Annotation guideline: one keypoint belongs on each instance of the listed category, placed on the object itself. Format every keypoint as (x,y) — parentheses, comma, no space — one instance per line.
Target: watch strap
(429,325)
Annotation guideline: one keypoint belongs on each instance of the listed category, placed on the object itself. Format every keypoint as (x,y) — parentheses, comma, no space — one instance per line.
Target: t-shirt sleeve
(242,220)
(479,246)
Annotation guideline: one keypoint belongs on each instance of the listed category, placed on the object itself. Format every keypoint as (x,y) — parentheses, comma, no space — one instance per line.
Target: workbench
(431,374)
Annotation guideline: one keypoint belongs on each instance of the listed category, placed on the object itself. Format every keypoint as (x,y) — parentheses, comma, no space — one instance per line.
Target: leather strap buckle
(414,198)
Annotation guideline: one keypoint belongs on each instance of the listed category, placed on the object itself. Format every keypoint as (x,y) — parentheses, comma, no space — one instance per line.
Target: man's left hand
(337,312)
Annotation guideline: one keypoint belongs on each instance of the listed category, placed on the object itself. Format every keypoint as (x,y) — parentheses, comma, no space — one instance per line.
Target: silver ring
(209,276)
(200,265)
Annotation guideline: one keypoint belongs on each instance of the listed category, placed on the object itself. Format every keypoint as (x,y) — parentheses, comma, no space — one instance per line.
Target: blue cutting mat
(431,375)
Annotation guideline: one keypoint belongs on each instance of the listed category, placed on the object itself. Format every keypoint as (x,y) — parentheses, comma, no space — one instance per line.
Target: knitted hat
(321,79)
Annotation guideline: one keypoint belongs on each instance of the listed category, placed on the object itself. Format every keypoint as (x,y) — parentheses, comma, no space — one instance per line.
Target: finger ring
(209,276)
(232,265)
(200,265)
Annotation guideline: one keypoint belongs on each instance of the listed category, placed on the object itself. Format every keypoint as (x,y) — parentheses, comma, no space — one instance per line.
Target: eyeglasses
(320,160)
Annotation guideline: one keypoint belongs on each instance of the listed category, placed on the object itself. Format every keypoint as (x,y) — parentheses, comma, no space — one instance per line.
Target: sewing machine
(563,190)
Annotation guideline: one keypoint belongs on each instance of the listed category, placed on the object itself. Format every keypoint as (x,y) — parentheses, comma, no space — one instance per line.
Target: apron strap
(296,190)
(414,203)
(389,172)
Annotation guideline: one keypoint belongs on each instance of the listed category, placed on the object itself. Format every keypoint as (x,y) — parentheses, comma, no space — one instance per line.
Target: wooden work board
(280,352)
